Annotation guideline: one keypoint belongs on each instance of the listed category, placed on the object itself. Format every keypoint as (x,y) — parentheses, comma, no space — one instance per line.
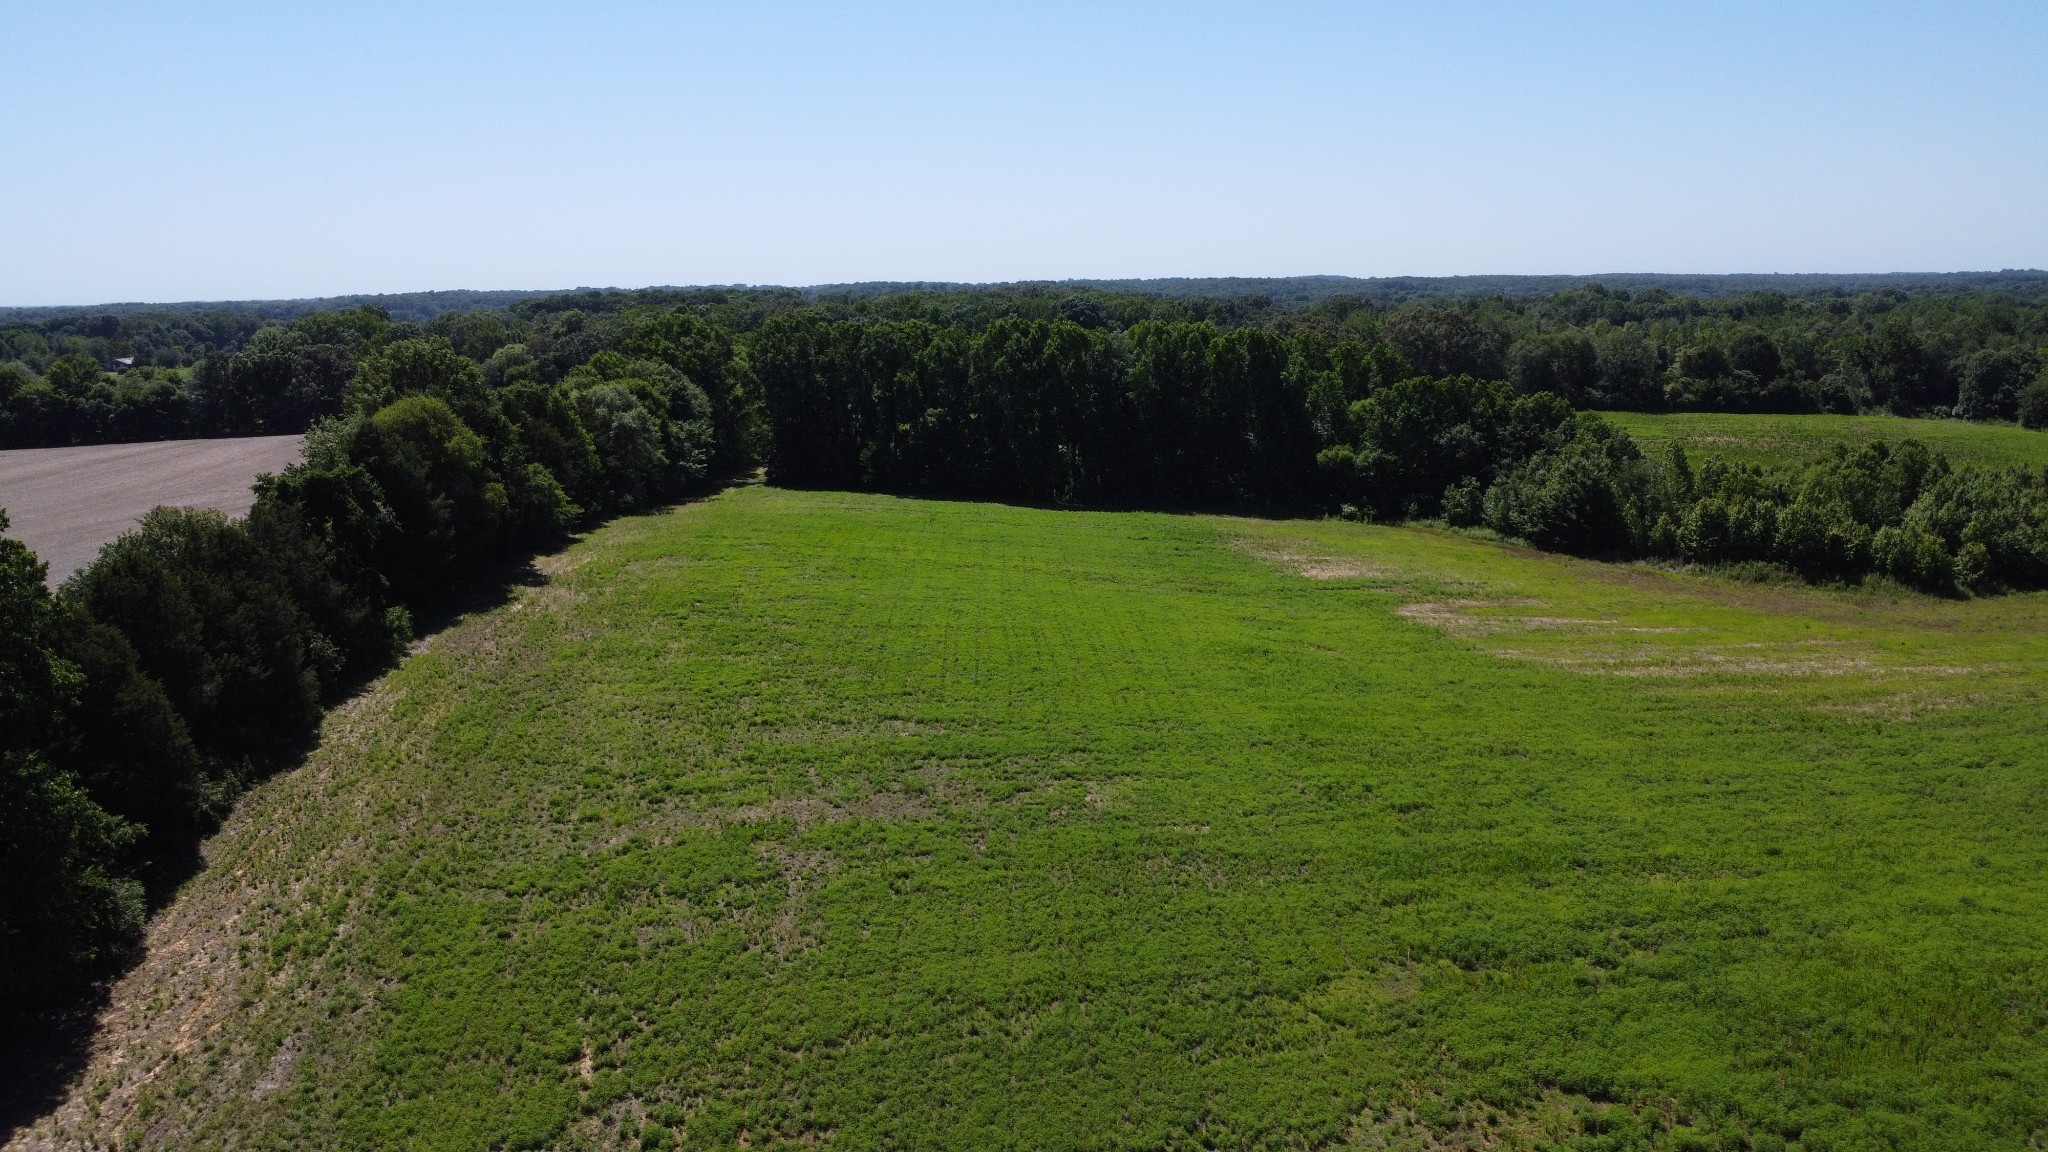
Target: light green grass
(1780,440)
(873,823)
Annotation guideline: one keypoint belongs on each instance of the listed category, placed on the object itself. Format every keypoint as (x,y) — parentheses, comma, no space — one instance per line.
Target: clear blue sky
(211,150)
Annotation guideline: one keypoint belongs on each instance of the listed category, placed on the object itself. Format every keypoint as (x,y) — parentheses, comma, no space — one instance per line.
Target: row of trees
(197,653)
(1973,355)
(1186,412)
(1976,355)
(1042,410)
(1478,453)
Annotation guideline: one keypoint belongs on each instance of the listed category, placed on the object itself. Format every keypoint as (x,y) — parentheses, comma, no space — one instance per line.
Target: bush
(1464,503)
(1821,539)
(1914,558)
(1579,498)
(2031,406)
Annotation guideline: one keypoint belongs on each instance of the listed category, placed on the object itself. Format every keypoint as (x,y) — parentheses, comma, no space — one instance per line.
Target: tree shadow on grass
(1164,506)
(46,1047)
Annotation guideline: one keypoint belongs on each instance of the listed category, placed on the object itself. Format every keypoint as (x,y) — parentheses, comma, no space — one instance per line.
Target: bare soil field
(67,503)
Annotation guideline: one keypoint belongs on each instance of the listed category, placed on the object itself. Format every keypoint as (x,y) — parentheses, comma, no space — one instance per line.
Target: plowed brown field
(67,503)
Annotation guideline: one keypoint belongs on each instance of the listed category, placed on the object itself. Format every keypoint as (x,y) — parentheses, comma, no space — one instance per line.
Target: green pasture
(1752,438)
(839,820)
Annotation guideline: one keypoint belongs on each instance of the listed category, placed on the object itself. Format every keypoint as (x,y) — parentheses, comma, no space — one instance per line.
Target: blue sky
(207,150)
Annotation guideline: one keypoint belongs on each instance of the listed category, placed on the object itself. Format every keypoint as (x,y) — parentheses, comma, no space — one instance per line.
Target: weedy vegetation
(790,818)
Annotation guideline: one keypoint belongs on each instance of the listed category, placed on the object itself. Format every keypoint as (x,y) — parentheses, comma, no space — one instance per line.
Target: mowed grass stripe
(889,823)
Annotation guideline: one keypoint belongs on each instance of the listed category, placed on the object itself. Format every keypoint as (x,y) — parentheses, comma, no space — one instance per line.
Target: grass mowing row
(875,823)
(1751,438)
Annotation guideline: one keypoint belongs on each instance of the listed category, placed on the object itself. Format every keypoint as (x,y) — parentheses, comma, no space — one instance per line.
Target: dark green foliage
(1991,381)
(706,356)
(1564,363)
(430,367)
(231,378)
(652,429)
(126,744)
(1441,341)
(65,906)
(807,379)
(212,619)
(64,903)
(1925,347)
(195,654)
(1585,496)
(2032,403)
(280,382)
(1044,410)
(447,505)
(1525,466)
(1995,523)
(1420,436)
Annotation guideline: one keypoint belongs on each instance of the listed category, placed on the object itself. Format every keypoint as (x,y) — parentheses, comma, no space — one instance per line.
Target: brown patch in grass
(1304,560)
(803,871)
(561,563)
(1457,616)
(1423,1124)
(808,811)
(1905,706)
(1787,659)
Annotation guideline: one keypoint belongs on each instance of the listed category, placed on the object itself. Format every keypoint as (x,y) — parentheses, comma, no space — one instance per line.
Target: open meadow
(799,818)
(1769,439)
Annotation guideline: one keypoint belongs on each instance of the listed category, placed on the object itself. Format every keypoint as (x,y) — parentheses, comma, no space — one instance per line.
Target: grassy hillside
(846,820)
(1769,439)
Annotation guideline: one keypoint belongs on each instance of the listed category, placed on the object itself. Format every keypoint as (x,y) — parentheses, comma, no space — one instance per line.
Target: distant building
(121,363)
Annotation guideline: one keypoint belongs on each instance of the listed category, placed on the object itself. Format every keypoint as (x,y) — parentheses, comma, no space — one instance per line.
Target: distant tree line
(143,375)
(196,654)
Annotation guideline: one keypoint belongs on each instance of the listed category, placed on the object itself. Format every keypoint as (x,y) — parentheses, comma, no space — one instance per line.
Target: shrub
(1464,503)
(2032,404)
(1578,498)
(1914,558)
(1821,539)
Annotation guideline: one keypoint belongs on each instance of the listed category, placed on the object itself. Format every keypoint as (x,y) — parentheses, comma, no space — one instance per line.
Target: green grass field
(1767,439)
(822,819)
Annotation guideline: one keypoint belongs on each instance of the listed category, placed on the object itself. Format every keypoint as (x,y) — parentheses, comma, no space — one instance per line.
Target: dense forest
(197,654)
(83,378)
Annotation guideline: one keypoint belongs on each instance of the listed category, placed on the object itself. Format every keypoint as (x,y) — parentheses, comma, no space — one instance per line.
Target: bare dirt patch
(1307,561)
(1427,1125)
(68,503)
